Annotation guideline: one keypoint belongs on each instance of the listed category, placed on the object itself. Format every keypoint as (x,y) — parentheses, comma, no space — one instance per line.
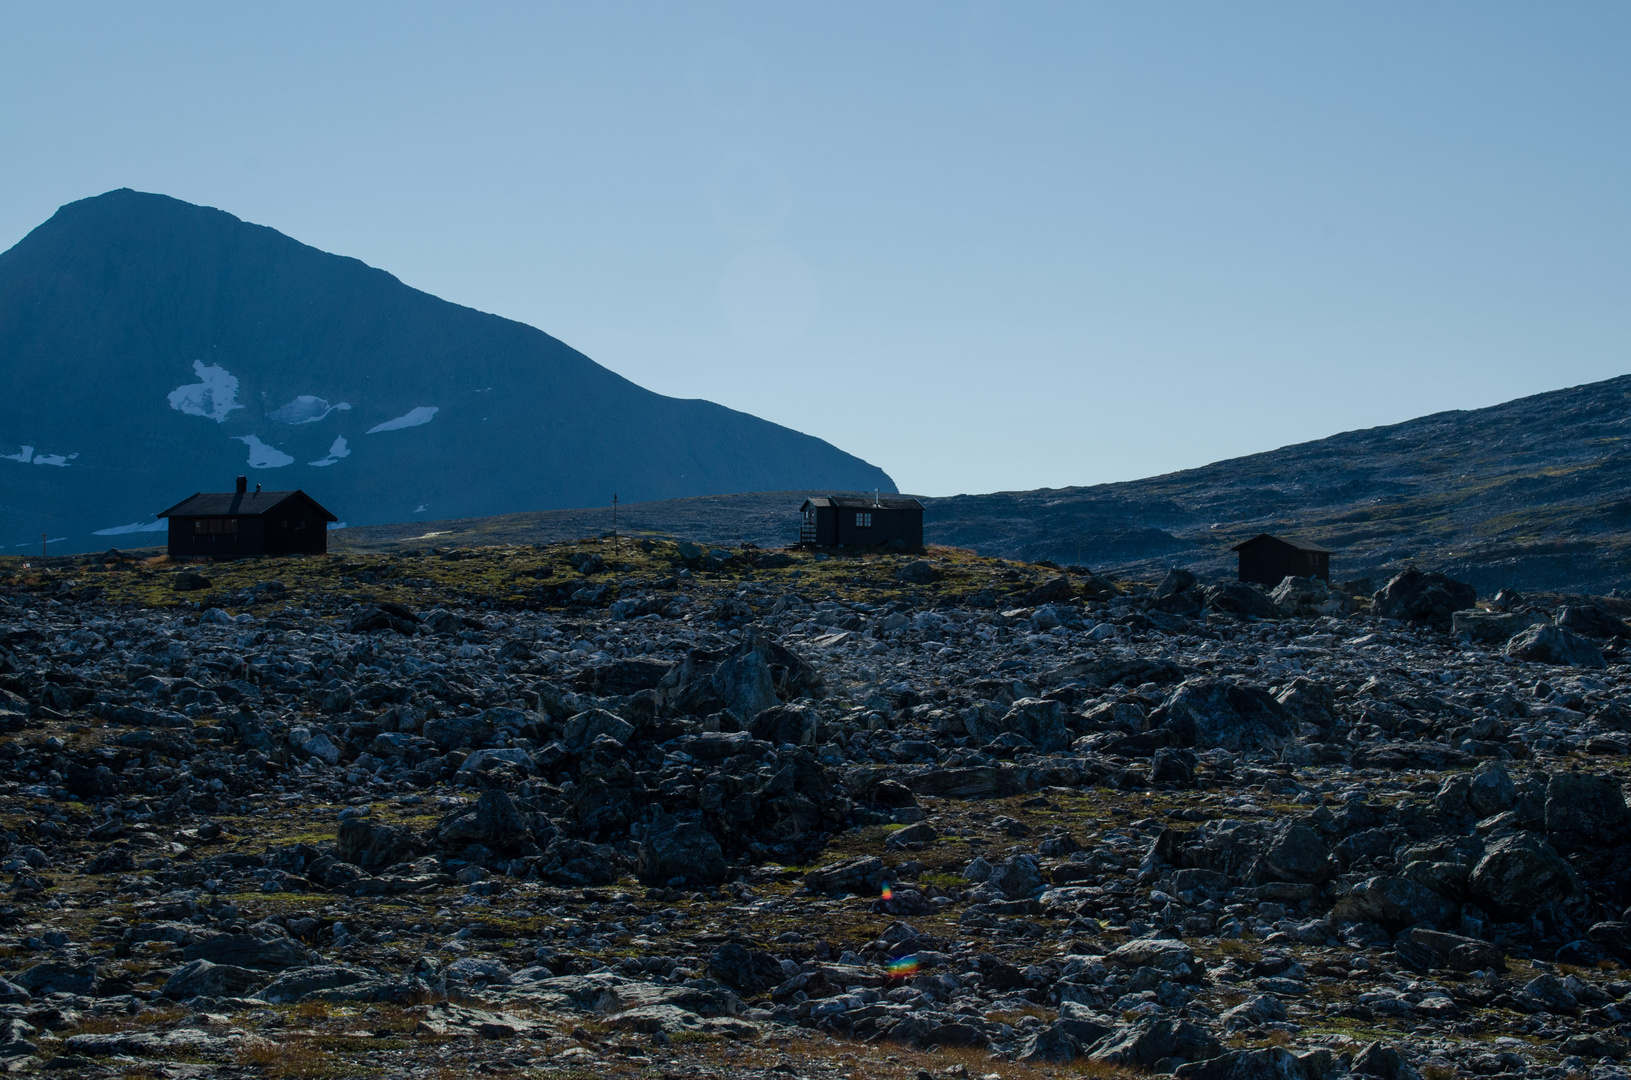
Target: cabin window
(215,526)
(863,521)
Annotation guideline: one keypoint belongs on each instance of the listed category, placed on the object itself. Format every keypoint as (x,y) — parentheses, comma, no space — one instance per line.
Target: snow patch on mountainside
(306,409)
(335,453)
(134,527)
(262,456)
(28,457)
(413,418)
(214,395)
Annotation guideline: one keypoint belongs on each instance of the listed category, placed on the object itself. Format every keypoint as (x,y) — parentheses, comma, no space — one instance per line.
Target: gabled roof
(862,502)
(239,504)
(1300,545)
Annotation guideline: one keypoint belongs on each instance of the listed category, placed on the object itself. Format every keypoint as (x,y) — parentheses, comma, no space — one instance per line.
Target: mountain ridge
(1532,493)
(150,347)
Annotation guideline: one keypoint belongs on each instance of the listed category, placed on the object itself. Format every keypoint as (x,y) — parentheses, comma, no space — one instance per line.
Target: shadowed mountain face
(151,348)
(1534,494)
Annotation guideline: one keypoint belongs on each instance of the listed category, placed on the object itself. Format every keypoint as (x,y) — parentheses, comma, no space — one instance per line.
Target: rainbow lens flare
(888,893)
(904,968)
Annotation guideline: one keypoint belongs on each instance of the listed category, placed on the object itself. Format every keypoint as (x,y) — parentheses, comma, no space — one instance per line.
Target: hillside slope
(1531,493)
(1534,493)
(150,348)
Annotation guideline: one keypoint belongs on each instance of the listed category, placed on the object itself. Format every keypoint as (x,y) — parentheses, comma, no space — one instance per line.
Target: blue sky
(984,245)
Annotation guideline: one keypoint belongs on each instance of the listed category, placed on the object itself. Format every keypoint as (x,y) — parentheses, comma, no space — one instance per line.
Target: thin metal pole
(615,548)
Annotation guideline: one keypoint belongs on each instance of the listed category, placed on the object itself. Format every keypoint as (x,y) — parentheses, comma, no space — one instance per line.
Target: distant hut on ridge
(1268,560)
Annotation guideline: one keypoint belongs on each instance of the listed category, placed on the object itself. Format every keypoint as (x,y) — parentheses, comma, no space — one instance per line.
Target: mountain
(150,348)
(1532,494)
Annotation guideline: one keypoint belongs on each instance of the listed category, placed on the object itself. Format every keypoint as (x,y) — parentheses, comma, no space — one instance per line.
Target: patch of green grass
(693,1038)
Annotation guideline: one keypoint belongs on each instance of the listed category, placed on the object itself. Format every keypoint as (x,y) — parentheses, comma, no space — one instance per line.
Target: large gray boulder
(1583,810)
(1214,713)
(917,572)
(683,850)
(745,684)
(1589,620)
(57,976)
(1168,1041)
(1268,1063)
(1039,722)
(1308,702)
(1394,902)
(747,971)
(454,732)
(494,757)
(1518,873)
(1016,877)
(1430,599)
(1486,790)
(374,847)
(756,677)
(1177,580)
(785,724)
(1297,854)
(1384,1063)
(15,1041)
(1492,626)
(1173,766)
(1490,790)
(1239,598)
(249,951)
(1456,952)
(1062,1041)
(201,978)
(1546,644)
(494,822)
(864,874)
(1167,955)
(297,983)
(587,726)
(1307,598)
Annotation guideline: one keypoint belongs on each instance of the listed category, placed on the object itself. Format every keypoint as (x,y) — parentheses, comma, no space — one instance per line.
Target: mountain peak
(152,347)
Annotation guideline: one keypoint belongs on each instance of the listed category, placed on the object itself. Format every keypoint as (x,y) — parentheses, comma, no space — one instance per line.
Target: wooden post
(615,548)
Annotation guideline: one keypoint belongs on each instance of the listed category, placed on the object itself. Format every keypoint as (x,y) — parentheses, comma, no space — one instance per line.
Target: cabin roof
(239,504)
(862,502)
(1300,545)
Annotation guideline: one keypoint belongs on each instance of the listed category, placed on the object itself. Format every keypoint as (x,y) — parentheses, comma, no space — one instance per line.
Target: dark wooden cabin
(1269,560)
(862,521)
(232,525)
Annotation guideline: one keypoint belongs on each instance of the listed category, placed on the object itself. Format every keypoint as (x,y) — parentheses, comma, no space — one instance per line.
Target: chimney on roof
(243,484)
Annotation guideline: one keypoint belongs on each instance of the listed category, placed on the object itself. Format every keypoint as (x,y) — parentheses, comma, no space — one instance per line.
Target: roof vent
(243,484)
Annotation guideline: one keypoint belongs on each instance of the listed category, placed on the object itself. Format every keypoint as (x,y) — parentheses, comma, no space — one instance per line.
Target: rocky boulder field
(652,809)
